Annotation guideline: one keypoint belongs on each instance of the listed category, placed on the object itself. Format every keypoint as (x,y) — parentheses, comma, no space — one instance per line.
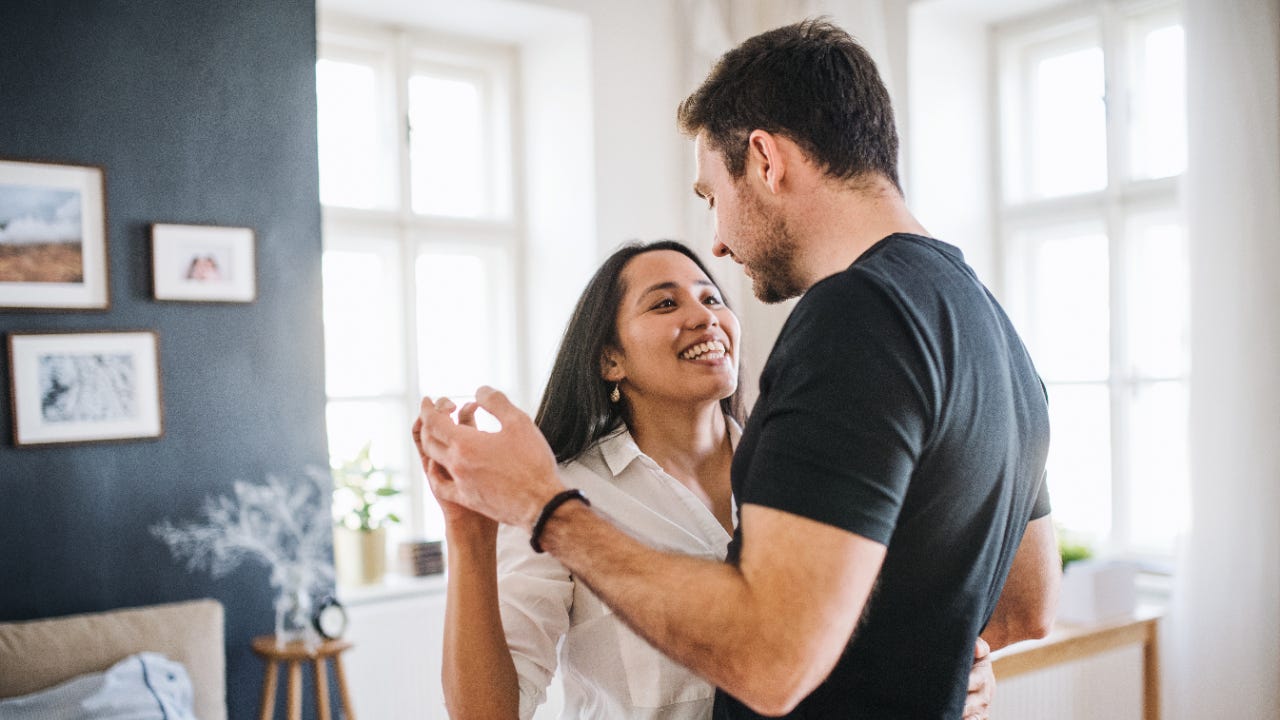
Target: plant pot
(360,556)
(1095,591)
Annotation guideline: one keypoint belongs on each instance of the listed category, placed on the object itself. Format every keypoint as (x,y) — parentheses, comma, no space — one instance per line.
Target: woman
(641,412)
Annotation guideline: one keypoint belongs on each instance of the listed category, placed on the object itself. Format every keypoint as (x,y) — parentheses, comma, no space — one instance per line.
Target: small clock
(330,619)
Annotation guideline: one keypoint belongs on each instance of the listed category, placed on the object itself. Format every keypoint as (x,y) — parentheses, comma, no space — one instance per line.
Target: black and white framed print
(84,387)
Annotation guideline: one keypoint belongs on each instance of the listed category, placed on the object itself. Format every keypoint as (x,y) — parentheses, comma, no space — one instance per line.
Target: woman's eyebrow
(672,285)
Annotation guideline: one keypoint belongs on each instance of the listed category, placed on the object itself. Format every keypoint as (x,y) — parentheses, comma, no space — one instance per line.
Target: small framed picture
(53,236)
(203,263)
(84,387)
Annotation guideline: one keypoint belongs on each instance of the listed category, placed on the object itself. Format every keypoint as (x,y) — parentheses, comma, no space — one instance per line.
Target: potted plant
(1092,590)
(362,509)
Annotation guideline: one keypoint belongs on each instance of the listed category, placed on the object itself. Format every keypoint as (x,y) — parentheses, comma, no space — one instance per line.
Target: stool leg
(269,692)
(322,690)
(347,713)
(295,690)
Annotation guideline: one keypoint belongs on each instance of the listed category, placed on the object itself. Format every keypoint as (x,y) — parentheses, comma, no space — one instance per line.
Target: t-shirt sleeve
(1042,506)
(849,396)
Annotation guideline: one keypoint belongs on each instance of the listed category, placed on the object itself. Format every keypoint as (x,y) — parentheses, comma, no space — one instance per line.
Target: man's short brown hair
(810,82)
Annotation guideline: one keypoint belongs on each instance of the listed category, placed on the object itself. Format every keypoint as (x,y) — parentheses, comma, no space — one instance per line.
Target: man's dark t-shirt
(899,404)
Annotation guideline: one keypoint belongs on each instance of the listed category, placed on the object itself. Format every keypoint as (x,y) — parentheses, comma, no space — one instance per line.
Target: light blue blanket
(146,686)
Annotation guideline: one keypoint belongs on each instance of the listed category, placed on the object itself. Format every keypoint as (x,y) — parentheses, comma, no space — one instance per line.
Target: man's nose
(719,249)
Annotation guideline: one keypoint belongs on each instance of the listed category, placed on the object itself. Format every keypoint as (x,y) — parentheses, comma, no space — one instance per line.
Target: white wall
(635,66)
(632,181)
(950,144)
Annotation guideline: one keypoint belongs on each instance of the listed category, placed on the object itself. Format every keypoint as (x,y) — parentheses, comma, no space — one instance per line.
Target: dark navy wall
(200,111)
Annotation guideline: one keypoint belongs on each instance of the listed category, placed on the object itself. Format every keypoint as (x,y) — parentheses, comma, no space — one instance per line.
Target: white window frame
(1112,208)
(502,233)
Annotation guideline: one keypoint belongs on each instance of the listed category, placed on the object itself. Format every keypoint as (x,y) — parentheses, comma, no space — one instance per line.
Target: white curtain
(1223,629)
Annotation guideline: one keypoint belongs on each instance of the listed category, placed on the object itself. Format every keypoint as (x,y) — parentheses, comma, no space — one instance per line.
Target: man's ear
(611,365)
(766,159)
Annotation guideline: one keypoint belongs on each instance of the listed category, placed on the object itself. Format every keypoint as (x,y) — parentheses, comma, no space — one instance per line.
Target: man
(894,458)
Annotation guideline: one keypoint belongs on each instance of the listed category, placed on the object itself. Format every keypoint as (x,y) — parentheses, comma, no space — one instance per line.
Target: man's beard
(773,264)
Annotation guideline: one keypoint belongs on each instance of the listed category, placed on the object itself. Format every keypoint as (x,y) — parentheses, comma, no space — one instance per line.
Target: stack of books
(421,557)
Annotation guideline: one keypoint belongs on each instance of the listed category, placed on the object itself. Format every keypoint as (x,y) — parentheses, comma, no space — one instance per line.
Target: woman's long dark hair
(575,410)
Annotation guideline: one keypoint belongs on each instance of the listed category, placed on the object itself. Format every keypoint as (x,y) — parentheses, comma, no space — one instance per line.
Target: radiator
(393,672)
(393,667)
(1106,686)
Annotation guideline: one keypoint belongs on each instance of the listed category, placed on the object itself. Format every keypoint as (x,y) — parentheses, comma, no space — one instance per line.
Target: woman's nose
(702,316)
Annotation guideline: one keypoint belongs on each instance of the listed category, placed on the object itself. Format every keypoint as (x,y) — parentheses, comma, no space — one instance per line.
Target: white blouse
(609,671)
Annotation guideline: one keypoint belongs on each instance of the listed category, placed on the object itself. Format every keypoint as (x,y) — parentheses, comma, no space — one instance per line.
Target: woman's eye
(667,303)
(712,300)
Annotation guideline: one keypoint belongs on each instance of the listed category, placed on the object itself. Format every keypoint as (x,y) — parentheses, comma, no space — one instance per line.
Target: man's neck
(839,223)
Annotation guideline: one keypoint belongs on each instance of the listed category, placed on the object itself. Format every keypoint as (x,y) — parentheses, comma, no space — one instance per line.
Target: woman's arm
(479,676)
(479,672)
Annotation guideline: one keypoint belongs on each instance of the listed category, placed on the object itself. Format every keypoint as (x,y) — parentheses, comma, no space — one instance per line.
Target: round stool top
(265,646)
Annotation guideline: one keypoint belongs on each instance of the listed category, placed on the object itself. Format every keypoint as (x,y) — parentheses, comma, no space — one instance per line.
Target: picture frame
(53,236)
(203,263)
(82,387)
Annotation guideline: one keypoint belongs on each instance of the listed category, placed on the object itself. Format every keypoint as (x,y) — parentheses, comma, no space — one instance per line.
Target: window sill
(393,587)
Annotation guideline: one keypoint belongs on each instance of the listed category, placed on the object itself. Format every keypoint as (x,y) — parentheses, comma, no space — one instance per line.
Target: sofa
(38,654)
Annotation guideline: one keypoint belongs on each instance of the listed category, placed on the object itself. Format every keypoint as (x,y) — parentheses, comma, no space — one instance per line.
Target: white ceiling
(989,10)
(501,20)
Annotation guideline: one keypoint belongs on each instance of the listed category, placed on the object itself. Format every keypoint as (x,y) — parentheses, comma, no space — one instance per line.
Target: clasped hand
(506,475)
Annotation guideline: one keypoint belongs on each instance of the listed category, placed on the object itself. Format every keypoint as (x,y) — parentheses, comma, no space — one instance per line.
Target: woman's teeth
(713,350)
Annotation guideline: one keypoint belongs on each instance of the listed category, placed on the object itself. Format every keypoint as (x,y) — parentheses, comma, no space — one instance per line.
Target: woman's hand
(456,517)
(982,683)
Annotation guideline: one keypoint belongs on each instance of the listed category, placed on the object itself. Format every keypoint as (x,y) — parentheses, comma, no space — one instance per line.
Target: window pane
(1158,474)
(1159,309)
(1158,130)
(1068,140)
(1079,464)
(363,326)
(447,148)
(1068,296)
(463,338)
(383,424)
(356,167)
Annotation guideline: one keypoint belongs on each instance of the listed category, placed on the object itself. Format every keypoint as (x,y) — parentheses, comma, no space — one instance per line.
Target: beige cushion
(38,654)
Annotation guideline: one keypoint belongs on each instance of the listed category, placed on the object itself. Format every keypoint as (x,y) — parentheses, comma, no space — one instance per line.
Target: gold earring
(616,395)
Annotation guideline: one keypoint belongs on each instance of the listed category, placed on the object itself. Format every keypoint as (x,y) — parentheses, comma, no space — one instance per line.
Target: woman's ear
(611,365)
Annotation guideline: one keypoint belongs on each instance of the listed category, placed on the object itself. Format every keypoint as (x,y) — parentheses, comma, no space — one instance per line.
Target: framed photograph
(53,236)
(203,263)
(84,387)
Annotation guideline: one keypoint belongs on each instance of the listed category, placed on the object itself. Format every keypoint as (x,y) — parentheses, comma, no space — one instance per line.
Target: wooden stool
(294,653)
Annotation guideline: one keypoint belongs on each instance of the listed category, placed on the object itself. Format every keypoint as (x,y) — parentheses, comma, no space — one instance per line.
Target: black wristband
(550,508)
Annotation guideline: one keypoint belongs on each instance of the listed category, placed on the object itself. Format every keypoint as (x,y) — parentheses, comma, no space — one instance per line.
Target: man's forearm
(690,609)
(1028,602)
(767,635)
